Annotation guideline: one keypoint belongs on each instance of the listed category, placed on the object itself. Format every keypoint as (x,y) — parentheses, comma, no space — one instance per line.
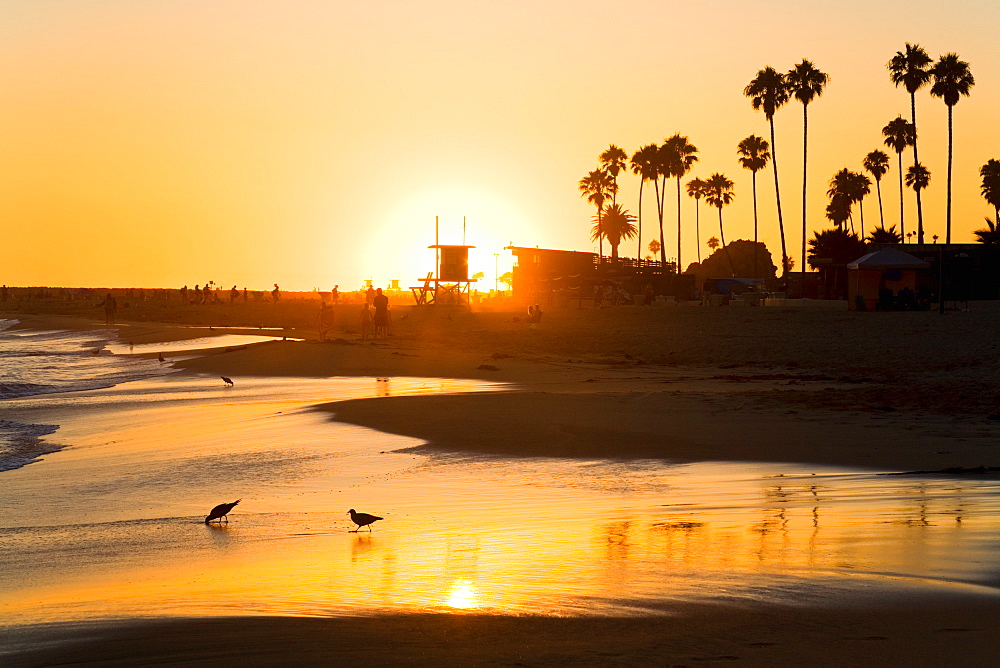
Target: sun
(463,596)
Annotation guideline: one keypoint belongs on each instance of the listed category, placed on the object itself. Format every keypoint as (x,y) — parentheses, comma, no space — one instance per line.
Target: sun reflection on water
(463,596)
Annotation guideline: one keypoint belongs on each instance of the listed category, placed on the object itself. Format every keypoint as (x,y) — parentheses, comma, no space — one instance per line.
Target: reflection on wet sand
(487,534)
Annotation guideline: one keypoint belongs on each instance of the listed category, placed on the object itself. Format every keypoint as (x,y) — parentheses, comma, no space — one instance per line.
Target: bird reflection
(361,546)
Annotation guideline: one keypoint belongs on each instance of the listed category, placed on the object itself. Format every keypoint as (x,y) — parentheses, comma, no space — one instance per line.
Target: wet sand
(686,385)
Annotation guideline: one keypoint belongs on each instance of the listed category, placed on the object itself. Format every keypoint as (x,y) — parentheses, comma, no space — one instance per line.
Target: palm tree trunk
(920,219)
(881,215)
(679,264)
(638,254)
(697,225)
(661,196)
(805,146)
(902,224)
(861,210)
(754,177)
(947,234)
(722,235)
(916,161)
(777,197)
(600,235)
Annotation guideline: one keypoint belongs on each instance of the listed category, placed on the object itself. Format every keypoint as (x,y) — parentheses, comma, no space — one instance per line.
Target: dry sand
(891,391)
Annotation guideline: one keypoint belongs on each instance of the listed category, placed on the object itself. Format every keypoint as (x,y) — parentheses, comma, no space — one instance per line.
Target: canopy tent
(885,280)
(888,258)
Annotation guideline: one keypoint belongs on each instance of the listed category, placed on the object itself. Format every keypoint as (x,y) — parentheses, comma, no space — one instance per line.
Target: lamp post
(496,272)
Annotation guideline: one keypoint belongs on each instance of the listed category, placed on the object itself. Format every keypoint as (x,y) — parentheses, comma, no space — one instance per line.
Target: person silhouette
(381,304)
(110,306)
(276,293)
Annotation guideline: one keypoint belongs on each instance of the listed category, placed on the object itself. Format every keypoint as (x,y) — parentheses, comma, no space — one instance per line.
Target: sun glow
(463,595)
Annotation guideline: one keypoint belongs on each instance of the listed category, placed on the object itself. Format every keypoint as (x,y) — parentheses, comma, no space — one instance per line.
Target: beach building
(886,280)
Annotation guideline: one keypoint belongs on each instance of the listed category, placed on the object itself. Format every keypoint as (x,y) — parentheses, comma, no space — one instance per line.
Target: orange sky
(312,143)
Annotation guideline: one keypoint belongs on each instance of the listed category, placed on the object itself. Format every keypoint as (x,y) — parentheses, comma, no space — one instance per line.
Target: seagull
(221,510)
(228,381)
(361,519)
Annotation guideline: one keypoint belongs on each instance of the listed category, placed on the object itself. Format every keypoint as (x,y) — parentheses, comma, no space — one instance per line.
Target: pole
(496,272)
(941,279)
(463,230)
(437,251)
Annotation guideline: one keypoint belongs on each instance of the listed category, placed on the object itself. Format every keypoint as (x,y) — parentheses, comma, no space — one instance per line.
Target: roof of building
(888,258)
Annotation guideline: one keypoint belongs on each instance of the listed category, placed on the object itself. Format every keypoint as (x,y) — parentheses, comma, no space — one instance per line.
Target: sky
(313,143)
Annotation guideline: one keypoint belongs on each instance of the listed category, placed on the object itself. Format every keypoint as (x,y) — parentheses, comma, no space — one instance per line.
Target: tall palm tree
(861,187)
(908,68)
(991,185)
(720,194)
(696,189)
(838,210)
(805,83)
(678,156)
(754,152)
(644,165)
(613,162)
(768,91)
(616,225)
(900,133)
(952,79)
(918,177)
(876,163)
(596,186)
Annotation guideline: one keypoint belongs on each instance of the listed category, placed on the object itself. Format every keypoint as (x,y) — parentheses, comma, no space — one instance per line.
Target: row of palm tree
(769,90)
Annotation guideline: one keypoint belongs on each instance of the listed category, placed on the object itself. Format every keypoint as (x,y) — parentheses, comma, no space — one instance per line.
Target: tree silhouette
(876,163)
(990,235)
(654,247)
(754,152)
(888,237)
(644,165)
(768,91)
(805,83)
(613,162)
(908,68)
(846,188)
(720,194)
(918,177)
(837,245)
(596,186)
(991,185)
(696,189)
(713,242)
(900,133)
(952,79)
(616,225)
(677,155)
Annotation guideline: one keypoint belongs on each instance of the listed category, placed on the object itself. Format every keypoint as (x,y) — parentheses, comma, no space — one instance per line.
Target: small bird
(221,511)
(361,519)
(228,381)
(159,356)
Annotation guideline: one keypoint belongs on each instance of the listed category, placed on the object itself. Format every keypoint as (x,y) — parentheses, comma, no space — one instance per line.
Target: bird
(159,356)
(220,511)
(361,519)
(228,381)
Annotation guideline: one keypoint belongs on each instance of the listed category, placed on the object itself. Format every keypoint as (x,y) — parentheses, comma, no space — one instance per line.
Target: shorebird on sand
(221,510)
(228,381)
(362,520)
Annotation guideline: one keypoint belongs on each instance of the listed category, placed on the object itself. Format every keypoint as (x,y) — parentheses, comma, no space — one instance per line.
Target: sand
(890,392)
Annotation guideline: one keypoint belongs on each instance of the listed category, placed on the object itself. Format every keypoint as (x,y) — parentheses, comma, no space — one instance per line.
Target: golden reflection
(463,596)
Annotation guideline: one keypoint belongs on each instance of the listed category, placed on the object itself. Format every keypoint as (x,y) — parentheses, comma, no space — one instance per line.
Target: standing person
(244,294)
(325,320)
(110,306)
(381,304)
(335,294)
(4,293)
(370,295)
(234,294)
(209,296)
(276,293)
(184,294)
(365,321)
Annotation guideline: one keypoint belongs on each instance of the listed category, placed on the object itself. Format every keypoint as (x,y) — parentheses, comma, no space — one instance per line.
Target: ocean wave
(21,444)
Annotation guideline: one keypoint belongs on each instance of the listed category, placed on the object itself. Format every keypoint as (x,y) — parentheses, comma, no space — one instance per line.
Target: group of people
(374,320)
(206,295)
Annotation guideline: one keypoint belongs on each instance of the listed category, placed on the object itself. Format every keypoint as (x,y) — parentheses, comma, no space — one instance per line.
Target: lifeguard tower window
(454,263)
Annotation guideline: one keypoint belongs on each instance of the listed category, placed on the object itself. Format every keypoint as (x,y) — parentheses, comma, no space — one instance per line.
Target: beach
(618,485)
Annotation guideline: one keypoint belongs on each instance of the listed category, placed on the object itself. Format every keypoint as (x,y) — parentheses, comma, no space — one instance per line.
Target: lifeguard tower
(452,284)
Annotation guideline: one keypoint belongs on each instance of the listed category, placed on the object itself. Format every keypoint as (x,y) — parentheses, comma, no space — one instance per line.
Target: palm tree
(837,245)
(908,68)
(644,165)
(838,210)
(654,247)
(678,154)
(596,186)
(918,177)
(952,79)
(696,189)
(900,133)
(990,235)
(876,163)
(769,91)
(991,185)
(880,235)
(860,187)
(713,242)
(720,194)
(754,152)
(613,162)
(616,225)
(805,83)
